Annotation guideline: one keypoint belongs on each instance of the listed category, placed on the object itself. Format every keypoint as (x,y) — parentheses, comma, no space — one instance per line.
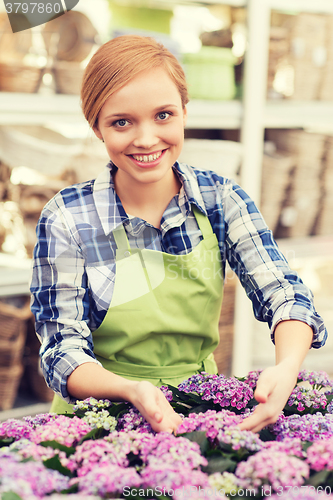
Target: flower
(16,429)
(172,477)
(106,479)
(226,392)
(92,404)
(100,420)
(290,446)
(252,377)
(40,419)
(306,427)
(238,439)
(133,420)
(225,482)
(271,468)
(174,452)
(211,422)
(317,378)
(307,398)
(29,479)
(64,430)
(320,455)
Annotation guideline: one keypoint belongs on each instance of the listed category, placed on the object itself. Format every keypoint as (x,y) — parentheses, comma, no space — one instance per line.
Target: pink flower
(275,469)
(64,430)
(320,455)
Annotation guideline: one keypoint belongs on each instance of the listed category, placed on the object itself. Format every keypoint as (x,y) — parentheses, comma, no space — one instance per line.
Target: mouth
(149,160)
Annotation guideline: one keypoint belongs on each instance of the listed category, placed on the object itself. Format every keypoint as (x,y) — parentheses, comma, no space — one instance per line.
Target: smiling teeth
(147,158)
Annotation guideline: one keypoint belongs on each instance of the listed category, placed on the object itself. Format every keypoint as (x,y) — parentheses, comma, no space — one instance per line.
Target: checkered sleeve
(60,299)
(277,293)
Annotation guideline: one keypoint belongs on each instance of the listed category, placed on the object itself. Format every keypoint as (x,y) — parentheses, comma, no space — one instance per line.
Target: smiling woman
(128,268)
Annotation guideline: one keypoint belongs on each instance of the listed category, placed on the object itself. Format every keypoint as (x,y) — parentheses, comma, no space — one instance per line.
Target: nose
(146,136)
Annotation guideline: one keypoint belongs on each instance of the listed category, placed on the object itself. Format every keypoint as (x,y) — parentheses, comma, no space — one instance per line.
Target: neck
(147,200)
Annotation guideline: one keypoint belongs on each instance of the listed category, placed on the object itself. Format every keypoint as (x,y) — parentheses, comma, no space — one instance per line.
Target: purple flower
(306,427)
(133,420)
(64,430)
(211,422)
(40,419)
(172,477)
(238,439)
(105,479)
(303,398)
(252,377)
(175,452)
(290,446)
(30,479)
(227,392)
(320,455)
(275,469)
(317,378)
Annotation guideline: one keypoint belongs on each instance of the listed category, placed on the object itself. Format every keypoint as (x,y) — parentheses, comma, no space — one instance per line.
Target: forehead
(152,87)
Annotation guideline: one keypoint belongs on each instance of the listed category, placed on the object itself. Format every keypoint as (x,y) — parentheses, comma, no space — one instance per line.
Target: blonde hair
(120,60)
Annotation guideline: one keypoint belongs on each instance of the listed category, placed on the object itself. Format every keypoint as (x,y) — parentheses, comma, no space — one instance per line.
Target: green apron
(162,324)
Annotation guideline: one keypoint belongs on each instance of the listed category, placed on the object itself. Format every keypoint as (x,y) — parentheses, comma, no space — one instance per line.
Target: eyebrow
(125,115)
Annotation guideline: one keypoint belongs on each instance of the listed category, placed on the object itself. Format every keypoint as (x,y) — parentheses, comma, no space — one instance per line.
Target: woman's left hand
(274,387)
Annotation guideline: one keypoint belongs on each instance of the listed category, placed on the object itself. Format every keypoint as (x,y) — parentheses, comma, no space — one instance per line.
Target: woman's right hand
(154,407)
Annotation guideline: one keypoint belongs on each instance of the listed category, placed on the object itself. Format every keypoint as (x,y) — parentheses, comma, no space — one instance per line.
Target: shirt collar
(109,207)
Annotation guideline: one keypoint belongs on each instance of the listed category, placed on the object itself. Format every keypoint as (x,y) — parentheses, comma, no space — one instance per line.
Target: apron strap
(203,222)
(120,238)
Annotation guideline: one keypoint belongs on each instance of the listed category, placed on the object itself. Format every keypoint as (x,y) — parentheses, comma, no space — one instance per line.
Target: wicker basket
(18,77)
(9,381)
(76,36)
(68,77)
(13,319)
(11,350)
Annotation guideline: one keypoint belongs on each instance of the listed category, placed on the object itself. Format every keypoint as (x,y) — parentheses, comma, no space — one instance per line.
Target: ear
(184,116)
(97,132)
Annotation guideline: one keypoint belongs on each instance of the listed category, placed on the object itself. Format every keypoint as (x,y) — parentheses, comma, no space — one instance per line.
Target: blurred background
(260,75)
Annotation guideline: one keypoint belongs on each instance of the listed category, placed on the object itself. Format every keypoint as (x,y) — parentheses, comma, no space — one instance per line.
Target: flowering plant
(108,450)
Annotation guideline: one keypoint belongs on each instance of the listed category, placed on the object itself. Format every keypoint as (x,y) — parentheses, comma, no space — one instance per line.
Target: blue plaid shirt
(74,261)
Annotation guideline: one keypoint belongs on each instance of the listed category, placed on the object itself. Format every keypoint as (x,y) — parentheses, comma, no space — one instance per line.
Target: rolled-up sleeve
(277,293)
(60,300)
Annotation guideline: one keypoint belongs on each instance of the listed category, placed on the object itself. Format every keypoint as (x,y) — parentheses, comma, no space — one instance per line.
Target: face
(142,126)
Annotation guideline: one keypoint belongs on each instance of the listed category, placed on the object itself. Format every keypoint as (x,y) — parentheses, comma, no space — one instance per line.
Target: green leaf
(10,495)
(96,433)
(73,489)
(58,446)
(266,435)
(319,478)
(200,438)
(306,445)
(117,408)
(55,464)
(219,464)
(6,441)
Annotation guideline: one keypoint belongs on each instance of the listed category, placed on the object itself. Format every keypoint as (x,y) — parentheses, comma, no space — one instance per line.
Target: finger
(264,390)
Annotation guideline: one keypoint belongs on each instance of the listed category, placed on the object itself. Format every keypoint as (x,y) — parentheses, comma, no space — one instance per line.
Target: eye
(163,115)
(120,123)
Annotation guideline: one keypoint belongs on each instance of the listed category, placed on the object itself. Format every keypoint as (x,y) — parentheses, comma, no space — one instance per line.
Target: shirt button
(127,253)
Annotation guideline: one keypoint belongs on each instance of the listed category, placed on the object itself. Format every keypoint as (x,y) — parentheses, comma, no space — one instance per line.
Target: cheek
(175,135)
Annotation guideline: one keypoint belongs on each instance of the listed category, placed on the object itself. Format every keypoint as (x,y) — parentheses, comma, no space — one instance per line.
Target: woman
(128,272)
